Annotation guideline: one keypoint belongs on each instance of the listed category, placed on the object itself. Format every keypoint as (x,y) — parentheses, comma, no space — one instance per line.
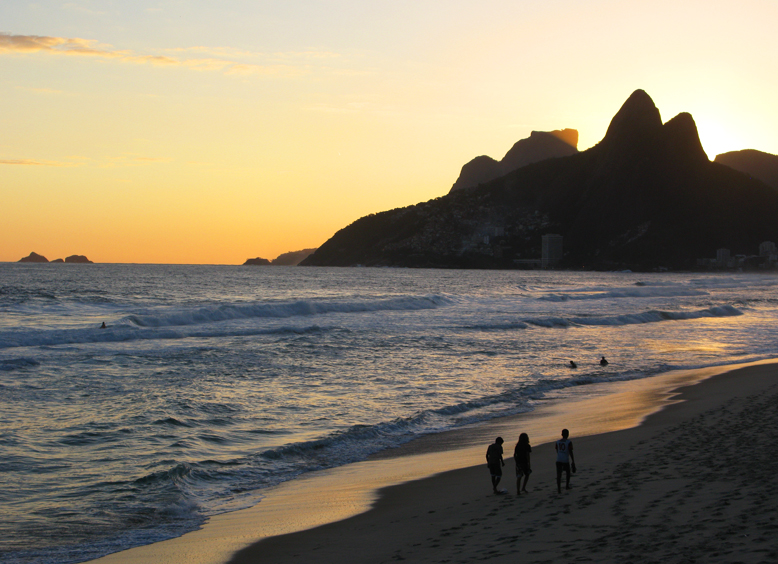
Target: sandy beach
(689,482)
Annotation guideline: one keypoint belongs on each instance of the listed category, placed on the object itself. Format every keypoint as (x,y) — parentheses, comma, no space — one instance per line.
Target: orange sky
(203,132)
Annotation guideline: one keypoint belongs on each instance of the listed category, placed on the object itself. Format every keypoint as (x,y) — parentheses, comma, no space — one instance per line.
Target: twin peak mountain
(646,196)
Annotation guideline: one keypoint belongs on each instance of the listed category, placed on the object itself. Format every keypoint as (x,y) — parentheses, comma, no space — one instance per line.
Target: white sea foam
(216,313)
(644,292)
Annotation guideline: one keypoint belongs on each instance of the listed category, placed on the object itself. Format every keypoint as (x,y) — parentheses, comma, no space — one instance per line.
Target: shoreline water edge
(297,394)
(376,510)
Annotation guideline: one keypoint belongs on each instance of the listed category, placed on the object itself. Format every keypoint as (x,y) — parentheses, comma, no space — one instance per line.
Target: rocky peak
(539,146)
(682,141)
(34,257)
(569,136)
(635,124)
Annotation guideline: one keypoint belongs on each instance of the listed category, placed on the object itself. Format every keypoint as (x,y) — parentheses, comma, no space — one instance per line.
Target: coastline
(438,480)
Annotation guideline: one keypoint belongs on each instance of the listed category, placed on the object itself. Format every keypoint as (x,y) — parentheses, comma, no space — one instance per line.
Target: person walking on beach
(521,457)
(564,459)
(495,462)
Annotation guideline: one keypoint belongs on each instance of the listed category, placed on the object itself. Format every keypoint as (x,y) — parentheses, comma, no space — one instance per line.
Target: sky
(209,132)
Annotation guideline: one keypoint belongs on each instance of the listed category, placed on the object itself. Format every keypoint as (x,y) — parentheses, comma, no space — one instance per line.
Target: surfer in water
(603,362)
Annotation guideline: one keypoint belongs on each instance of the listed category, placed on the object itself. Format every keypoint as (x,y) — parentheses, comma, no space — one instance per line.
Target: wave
(656,316)
(17,363)
(13,295)
(225,312)
(202,322)
(653,316)
(120,334)
(638,291)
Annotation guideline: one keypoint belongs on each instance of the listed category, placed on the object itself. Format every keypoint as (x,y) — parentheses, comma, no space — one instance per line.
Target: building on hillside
(723,257)
(768,255)
(552,250)
(767,248)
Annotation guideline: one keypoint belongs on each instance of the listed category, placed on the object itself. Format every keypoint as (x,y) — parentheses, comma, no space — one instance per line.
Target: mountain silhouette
(759,165)
(539,146)
(292,258)
(646,196)
(33,257)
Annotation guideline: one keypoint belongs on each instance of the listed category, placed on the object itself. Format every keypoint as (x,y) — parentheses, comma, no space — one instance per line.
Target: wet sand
(688,483)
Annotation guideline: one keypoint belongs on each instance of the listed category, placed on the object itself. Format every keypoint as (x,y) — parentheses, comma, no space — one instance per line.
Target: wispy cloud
(60,45)
(45,91)
(30,162)
(126,160)
(131,160)
(226,60)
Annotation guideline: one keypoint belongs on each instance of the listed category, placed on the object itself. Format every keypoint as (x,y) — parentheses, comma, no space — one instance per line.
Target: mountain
(762,166)
(539,146)
(292,258)
(646,196)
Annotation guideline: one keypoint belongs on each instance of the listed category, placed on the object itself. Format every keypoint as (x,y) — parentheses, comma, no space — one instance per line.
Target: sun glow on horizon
(142,133)
(717,138)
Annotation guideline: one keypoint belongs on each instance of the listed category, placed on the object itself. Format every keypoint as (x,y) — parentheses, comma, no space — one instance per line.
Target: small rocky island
(72,259)
(256,262)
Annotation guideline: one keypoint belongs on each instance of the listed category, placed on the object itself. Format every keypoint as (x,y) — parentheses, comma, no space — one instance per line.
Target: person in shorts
(521,456)
(564,459)
(495,462)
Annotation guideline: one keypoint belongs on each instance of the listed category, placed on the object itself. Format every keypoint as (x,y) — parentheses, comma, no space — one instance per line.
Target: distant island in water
(646,197)
(74,259)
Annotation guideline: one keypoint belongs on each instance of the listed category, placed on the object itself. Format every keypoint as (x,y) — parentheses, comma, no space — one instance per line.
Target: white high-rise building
(722,257)
(552,250)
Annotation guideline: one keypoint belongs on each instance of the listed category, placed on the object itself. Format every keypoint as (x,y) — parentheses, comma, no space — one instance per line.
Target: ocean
(212,383)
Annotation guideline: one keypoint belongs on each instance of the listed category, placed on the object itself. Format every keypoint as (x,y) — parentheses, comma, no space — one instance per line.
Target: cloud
(30,162)
(223,60)
(131,160)
(62,45)
(46,91)
(126,160)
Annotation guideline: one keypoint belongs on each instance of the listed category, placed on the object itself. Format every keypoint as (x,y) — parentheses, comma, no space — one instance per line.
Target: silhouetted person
(103,325)
(495,462)
(573,364)
(564,459)
(521,455)
(603,362)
